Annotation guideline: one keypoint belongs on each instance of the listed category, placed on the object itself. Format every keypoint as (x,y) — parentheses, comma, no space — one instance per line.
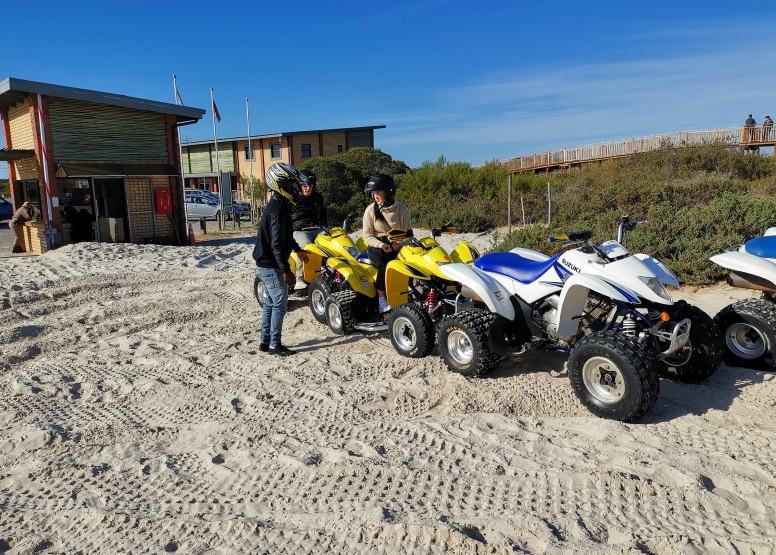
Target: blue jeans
(275,305)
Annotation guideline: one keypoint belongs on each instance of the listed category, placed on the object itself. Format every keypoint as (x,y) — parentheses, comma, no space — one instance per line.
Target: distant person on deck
(767,129)
(750,121)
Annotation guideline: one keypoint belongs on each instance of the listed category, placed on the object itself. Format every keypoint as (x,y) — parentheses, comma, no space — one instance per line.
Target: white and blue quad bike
(610,311)
(747,326)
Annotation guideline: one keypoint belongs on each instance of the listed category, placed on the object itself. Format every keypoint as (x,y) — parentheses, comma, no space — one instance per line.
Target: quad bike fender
(357,276)
(361,245)
(397,281)
(574,295)
(478,285)
(311,268)
(747,270)
(464,253)
(664,275)
(770,231)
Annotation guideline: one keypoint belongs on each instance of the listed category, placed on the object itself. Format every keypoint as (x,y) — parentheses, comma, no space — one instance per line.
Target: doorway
(110,201)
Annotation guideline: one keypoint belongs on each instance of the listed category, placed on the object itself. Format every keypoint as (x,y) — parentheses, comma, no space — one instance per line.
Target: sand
(138,416)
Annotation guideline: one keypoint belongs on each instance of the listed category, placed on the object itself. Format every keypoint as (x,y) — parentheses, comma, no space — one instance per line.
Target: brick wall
(330,142)
(140,204)
(307,138)
(34,238)
(20,122)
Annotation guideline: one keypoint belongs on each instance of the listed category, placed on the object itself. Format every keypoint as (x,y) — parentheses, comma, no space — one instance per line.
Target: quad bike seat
(764,247)
(514,266)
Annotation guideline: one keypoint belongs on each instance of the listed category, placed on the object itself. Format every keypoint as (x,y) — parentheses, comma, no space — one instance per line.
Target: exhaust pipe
(749,281)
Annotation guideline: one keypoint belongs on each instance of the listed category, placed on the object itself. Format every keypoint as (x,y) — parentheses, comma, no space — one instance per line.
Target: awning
(10,154)
(95,169)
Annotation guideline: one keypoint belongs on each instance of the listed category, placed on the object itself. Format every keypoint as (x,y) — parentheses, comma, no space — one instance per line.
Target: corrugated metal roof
(287,133)
(13,91)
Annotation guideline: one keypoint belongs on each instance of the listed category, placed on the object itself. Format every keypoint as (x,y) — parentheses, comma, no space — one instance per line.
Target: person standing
(274,243)
(24,214)
(309,218)
(750,121)
(767,128)
(383,215)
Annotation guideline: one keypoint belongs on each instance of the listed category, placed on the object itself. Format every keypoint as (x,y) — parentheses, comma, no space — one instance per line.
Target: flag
(215,111)
(178,99)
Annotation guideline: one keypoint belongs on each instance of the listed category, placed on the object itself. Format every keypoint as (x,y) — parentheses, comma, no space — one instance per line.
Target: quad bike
(423,284)
(332,242)
(609,311)
(748,327)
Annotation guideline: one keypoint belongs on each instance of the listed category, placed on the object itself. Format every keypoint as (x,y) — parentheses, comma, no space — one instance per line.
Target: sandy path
(136,415)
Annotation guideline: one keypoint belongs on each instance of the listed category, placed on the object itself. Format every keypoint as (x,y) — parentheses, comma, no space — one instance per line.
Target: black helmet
(381,182)
(279,176)
(309,178)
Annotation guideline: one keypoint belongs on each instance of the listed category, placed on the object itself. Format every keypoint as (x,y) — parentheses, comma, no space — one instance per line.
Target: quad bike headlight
(657,288)
(352,251)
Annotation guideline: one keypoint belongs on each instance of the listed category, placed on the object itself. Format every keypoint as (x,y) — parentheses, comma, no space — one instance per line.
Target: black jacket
(309,212)
(275,238)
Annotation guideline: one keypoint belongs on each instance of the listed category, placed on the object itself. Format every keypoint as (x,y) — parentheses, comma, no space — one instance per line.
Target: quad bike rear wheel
(702,354)
(463,342)
(320,290)
(339,312)
(613,376)
(747,328)
(259,291)
(411,330)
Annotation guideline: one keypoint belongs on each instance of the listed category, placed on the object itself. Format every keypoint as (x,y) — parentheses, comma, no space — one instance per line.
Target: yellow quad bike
(422,285)
(332,242)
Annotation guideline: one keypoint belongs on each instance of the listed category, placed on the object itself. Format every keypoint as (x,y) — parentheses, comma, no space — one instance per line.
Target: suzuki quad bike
(423,284)
(609,311)
(748,327)
(332,242)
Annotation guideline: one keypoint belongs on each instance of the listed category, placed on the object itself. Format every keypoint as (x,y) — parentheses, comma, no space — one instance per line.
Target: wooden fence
(734,136)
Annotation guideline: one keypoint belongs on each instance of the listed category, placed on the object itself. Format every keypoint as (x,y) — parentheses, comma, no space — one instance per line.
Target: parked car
(238,207)
(6,209)
(200,206)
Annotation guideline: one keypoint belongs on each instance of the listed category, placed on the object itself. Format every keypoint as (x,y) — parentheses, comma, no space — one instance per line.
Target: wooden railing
(734,136)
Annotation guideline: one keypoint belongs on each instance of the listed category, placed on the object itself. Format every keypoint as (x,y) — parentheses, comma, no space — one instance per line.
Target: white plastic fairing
(770,231)
(665,275)
(574,295)
(493,294)
(613,249)
(747,263)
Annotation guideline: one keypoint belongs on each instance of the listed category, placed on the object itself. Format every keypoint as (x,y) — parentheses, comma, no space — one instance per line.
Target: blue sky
(468,80)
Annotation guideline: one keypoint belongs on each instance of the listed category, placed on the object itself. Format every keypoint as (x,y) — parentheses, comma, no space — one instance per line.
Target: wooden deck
(743,137)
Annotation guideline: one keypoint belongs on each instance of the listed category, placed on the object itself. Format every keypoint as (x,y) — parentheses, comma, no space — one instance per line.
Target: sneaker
(300,284)
(281,351)
(263,347)
(382,305)
(298,294)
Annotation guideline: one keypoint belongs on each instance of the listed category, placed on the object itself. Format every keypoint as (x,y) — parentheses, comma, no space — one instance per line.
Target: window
(339,148)
(274,151)
(250,153)
(306,150)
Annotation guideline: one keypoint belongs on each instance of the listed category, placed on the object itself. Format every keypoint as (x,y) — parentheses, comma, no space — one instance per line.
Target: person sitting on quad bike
(274,243)
(309,219)
(383,215)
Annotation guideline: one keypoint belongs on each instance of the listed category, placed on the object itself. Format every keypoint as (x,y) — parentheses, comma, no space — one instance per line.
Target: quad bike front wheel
(463,342)
(339,312)
(702,354)
(259,291)
(411,330)
(613,376)
(320,290)
(747,328)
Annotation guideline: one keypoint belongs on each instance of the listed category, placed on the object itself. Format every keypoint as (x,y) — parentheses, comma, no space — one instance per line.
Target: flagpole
(250,161)
(180,147)
(218,166)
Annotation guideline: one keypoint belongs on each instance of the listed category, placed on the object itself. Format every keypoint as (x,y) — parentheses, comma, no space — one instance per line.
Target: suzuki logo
(570,266)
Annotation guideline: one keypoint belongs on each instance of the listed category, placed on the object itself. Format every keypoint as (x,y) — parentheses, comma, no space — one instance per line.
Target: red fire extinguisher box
(163,201)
